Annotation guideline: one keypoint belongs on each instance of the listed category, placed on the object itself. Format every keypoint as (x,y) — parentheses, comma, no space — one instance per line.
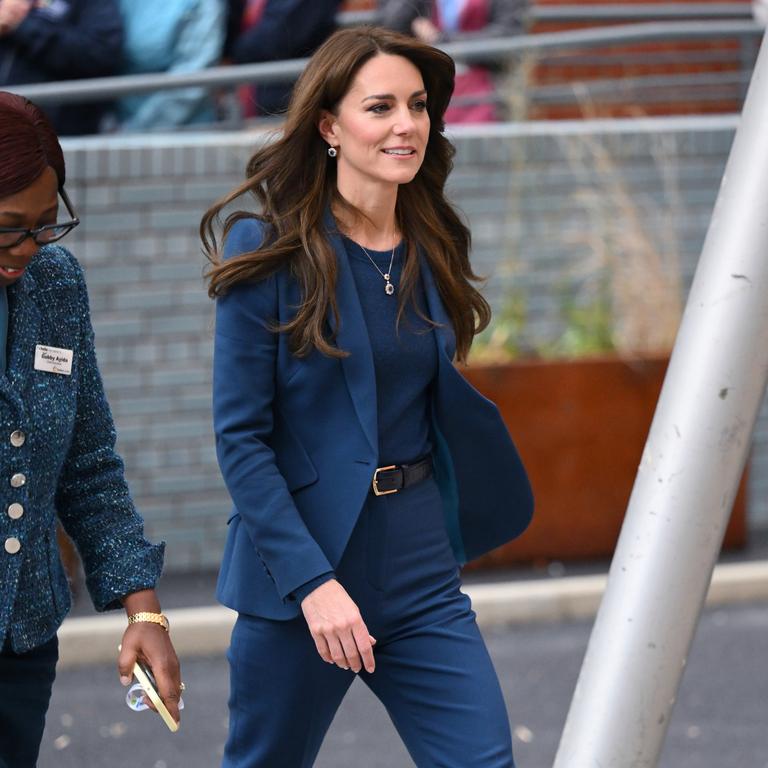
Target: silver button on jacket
(67,422)
(12,545)
(18,438)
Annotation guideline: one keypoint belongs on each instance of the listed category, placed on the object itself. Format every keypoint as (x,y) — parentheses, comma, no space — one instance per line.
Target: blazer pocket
(291,458)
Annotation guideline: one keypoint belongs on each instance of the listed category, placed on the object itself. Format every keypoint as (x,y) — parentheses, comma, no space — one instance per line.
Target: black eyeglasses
(10,237)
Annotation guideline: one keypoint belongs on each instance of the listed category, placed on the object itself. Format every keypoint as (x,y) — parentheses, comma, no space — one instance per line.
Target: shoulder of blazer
(54,266)
(246,235)
(54,282)
(55,269)
(248,302)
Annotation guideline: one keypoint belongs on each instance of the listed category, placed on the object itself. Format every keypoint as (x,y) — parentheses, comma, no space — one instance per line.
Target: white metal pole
(687,478)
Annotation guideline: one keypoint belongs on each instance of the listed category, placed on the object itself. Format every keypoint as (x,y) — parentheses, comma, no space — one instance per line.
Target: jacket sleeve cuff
(111,584)
(301,592)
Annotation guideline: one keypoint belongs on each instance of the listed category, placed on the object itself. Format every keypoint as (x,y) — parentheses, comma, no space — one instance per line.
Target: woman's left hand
(151,644)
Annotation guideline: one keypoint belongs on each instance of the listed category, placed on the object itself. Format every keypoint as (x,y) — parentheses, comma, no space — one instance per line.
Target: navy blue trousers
(26,680)
(433,672)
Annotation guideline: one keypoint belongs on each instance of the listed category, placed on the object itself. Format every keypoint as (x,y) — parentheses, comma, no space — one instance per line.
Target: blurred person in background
(442,21)
(274,30)
(49,40)
(57,450)
(171,36)
(234,15)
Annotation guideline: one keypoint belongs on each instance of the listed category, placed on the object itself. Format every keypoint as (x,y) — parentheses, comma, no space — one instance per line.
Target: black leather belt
(397,477)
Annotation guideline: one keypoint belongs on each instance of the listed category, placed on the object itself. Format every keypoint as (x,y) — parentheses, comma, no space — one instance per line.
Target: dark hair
(294,182)
(28,145)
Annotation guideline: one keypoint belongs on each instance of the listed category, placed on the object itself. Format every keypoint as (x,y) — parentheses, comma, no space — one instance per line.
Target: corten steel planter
(580,426)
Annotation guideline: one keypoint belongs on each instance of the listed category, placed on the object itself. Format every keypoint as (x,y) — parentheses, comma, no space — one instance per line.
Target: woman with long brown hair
(363,468)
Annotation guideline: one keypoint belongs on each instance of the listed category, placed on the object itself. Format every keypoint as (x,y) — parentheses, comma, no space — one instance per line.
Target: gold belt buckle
(375,481)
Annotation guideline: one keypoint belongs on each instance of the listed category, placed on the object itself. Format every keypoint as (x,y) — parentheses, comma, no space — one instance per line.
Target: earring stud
(332,152)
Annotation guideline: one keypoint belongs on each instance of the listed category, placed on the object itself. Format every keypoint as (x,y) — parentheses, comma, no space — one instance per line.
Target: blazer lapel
(446,340)
(352,337)
(23,325)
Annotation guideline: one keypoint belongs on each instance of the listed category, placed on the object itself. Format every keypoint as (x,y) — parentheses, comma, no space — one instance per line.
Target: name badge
(53,360)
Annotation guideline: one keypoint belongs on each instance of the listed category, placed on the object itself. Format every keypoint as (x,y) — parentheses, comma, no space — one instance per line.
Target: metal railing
(465,51)
(704,87)
(602,12)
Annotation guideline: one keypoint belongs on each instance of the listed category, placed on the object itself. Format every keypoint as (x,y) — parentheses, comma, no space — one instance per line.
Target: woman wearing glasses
(57,456)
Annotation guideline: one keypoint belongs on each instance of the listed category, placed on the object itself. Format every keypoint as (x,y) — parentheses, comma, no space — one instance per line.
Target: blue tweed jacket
(63,462)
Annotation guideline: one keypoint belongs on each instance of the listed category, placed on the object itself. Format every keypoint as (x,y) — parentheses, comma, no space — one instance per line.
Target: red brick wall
(620,62)
(358,5)
(633,60)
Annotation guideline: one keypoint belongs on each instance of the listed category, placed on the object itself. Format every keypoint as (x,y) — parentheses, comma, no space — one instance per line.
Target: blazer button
(12,545)
(15,511)
(17,438)
(18,480)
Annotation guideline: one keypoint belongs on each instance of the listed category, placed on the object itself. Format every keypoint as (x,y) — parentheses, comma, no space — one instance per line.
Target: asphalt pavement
(720,720)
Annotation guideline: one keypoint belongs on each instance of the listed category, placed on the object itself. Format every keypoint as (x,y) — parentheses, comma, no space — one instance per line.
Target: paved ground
(721,720)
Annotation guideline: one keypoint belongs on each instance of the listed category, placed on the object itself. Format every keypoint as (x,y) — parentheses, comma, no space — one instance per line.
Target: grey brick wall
(522,188)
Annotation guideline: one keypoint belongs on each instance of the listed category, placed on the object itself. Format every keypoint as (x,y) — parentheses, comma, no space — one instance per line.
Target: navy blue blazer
(57,432)
(297,440)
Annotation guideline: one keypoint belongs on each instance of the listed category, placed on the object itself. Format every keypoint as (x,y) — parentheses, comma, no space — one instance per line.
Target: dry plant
(633,245)
(513,85)
(625,294)
(500,342)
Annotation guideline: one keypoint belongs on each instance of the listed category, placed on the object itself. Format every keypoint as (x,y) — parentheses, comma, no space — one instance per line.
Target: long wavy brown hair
(293,182)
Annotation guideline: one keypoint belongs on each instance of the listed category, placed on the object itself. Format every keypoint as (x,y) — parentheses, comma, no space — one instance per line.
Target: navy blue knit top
(404,356)
(404,361)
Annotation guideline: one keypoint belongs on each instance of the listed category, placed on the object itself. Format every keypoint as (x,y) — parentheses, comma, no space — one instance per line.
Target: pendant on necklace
(389,289)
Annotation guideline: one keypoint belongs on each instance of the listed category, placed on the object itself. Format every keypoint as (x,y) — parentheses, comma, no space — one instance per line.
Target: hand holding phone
(148,686)
(157,670)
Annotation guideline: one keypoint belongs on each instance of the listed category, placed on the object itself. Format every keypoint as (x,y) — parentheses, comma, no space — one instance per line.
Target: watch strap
(151,618)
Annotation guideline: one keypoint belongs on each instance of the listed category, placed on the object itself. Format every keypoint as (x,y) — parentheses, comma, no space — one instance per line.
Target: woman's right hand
(338,628)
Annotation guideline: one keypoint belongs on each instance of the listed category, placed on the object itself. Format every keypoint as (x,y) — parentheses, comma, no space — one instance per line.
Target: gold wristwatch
(152,618)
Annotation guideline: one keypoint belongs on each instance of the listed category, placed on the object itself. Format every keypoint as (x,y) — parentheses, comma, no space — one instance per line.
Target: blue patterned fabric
(3,327)
(68,459)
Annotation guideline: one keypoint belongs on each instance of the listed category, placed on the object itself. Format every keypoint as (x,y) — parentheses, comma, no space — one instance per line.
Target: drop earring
(332,152)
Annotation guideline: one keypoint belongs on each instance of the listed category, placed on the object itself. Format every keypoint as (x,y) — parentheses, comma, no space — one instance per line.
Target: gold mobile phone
(147,681)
